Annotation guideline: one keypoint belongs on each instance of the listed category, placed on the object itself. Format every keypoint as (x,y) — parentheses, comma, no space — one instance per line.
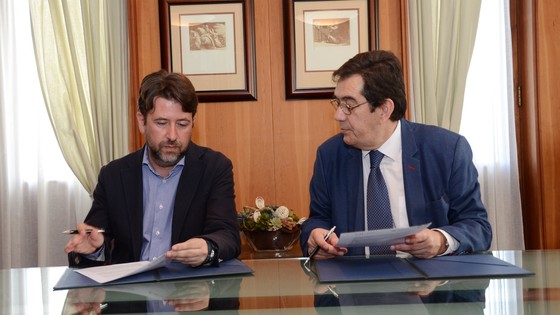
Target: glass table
(283,286)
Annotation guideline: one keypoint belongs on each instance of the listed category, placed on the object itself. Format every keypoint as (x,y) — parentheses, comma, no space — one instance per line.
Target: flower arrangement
(269,228)
(267,217)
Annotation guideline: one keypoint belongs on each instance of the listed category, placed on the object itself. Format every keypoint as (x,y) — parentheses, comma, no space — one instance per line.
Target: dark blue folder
(173,271)
(376,268)
(466,266)
(362,269)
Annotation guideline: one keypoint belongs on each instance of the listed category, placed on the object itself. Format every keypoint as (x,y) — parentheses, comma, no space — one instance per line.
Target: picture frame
(212,42)
(319,37)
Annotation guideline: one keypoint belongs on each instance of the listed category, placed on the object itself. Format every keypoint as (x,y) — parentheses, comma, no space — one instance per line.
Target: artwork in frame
(213,43)
(319,37)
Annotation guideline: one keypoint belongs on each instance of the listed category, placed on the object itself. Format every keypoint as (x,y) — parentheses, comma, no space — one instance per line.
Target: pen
(331,289)
(316,249)
(76,231)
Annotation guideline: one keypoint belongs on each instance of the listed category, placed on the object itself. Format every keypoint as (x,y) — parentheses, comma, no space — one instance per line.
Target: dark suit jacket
(204,205)
(440,183)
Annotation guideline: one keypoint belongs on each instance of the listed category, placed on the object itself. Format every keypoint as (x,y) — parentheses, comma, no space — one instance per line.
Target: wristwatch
(446,246)
(212,253)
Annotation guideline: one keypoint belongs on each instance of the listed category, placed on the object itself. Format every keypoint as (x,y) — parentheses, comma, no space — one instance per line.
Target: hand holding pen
(86,240)
(316,249)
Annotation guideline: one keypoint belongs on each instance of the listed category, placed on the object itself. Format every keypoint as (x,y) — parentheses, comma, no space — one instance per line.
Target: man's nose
(172,133)
(339,115)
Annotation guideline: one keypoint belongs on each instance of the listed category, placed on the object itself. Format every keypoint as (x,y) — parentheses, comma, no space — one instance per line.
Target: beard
(166,153)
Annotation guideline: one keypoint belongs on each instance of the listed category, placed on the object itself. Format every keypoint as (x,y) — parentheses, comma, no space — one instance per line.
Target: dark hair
(383,79)
(169,85)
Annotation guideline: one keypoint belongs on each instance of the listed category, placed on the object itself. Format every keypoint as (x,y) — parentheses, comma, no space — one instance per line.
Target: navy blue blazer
(204,205)
(440,182)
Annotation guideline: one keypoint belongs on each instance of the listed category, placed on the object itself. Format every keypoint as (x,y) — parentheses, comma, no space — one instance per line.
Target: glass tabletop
(284,286)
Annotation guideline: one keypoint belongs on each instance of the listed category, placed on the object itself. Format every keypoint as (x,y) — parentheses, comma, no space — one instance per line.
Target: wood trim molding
(134,137)
(529,151)
(405,52)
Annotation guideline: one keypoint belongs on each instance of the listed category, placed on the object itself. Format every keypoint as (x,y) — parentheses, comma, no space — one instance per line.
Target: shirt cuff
(453,244)
(98,255)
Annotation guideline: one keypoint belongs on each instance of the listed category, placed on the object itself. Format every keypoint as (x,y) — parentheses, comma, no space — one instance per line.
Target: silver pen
(316,249)
(76,231)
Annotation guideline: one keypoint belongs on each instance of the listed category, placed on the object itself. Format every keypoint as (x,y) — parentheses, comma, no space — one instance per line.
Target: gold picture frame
(319,37)
(213,44)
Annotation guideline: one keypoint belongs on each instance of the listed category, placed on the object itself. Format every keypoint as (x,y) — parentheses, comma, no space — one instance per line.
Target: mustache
(169,143)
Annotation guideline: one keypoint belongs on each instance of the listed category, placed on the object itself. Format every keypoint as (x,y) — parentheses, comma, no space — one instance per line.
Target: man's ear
(141,122)
(387,108)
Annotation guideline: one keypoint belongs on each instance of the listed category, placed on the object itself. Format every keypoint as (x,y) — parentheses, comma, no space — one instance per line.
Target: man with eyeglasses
(427,170)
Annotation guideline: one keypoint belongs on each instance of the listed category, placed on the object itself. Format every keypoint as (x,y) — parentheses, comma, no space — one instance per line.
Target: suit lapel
(132,187)
(355,189)
(412,175)
(188,184)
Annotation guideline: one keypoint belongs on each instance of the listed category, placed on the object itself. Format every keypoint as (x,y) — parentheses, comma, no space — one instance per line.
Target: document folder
(377,268)
(374,268)
(173,271)
(466,266)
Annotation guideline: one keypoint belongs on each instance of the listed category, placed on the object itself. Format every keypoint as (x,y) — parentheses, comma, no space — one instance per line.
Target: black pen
(76,231)
(316,249)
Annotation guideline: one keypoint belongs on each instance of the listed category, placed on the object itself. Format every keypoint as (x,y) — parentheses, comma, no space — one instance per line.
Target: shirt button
(160,206)
(164,180)
(157,233)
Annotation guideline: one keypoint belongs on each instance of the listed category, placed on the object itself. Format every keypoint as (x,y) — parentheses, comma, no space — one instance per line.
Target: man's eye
(161,123)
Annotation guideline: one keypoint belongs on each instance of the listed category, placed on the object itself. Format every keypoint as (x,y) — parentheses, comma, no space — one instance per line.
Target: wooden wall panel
(271,141)
(299,127)
(529,165)
(538,50)
(548,76)
(144,54)
(393,25)
(244,130)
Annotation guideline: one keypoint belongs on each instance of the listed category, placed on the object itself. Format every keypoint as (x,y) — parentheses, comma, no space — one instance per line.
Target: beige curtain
(442,35)
(39,194)
(444,47)
(81,52)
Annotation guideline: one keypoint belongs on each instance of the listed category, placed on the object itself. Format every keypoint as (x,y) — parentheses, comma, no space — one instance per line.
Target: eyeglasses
(346,108)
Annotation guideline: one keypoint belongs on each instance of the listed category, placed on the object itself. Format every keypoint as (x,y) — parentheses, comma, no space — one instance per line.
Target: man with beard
(172,197)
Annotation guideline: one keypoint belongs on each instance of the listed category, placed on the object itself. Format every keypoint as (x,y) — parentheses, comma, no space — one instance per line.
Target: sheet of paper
(378,237)
(103,274)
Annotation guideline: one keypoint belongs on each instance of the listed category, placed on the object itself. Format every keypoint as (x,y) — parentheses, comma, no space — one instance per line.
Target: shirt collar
(146,161)
(392,147)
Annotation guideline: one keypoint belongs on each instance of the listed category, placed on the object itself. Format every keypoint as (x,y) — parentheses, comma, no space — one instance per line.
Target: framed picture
(212,42)
(319,37)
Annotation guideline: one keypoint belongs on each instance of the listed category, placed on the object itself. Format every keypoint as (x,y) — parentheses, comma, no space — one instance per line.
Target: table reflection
(283,286)
(462,296)
(153,298)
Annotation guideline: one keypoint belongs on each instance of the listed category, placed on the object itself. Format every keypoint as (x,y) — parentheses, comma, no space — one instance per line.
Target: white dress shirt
(392,169)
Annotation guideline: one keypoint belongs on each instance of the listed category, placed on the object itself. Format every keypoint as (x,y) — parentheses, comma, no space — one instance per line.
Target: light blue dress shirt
(158,200)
